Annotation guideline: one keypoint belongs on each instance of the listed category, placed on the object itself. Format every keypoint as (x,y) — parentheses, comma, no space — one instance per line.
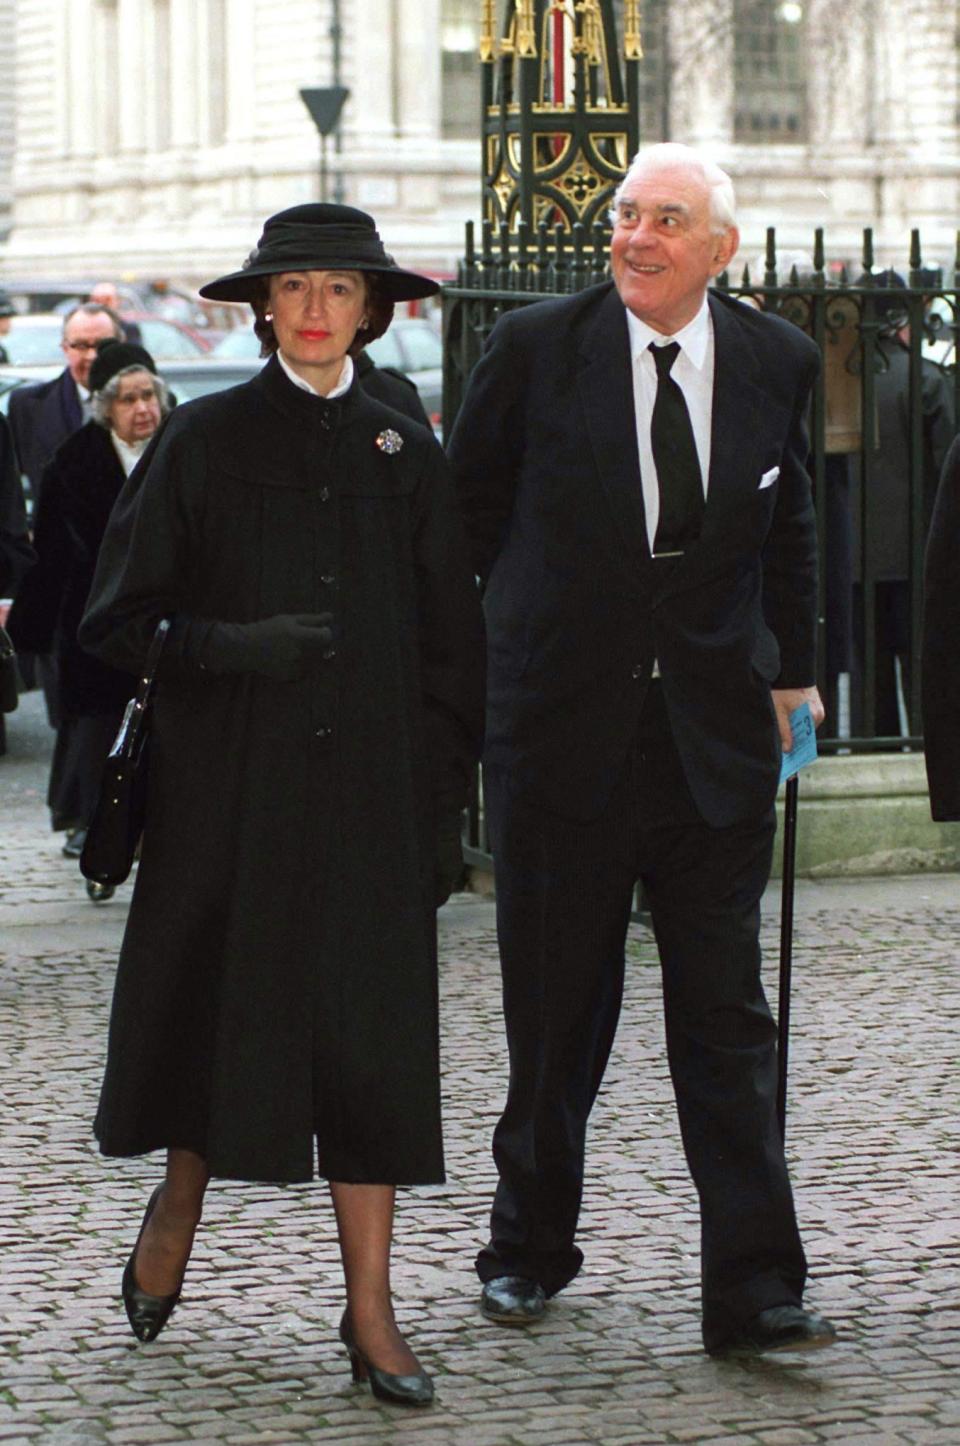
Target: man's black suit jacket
(42,416)
(546,464)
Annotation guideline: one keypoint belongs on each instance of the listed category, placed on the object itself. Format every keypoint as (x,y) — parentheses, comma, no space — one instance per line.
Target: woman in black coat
(317,722)
(80,485)
(941,645)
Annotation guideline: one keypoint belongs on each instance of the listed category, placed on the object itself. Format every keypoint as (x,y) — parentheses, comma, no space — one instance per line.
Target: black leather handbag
(117,823)
(8,673)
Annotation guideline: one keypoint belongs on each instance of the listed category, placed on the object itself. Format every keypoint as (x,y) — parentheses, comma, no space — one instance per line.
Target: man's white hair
(671,153)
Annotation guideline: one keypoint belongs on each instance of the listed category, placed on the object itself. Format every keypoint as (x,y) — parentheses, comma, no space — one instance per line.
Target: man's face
(664,249)
(80,337)
(105,294)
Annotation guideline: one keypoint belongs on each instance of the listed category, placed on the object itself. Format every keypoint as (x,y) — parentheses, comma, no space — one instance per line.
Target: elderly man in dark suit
(631,465)
(45,414)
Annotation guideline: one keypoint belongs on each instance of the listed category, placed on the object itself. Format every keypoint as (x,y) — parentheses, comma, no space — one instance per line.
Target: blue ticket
(804,750)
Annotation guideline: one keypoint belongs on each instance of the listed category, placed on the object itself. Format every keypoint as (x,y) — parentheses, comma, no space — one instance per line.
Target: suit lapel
(71,410)
(737,407)
(605,385)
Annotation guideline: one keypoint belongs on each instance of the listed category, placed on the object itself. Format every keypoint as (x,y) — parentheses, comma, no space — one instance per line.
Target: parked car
(411,345)
(35,340)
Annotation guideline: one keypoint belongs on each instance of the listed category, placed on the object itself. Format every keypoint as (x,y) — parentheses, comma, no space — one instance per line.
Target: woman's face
(315,318)
(135,411)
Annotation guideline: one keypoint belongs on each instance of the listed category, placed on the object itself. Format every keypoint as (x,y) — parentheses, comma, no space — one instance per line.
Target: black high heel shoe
(147,1314)
(401,1390)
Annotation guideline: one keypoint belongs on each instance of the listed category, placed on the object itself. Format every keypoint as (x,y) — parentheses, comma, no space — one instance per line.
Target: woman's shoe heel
(147,1314)
(400,1390)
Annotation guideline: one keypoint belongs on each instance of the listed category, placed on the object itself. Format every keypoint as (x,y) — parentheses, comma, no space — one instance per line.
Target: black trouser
(563,904)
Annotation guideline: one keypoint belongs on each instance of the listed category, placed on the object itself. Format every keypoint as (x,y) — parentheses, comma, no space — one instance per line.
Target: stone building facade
(152,136)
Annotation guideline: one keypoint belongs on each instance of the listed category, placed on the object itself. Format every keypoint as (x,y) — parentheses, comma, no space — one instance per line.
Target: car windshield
(385,351)
(242,341)
(422,347)
(165,341)
(27,343)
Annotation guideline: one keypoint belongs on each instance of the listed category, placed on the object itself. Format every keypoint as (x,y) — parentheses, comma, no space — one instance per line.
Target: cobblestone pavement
(251,1354)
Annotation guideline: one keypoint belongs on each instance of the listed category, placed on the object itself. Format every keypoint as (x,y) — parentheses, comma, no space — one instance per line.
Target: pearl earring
(268,316)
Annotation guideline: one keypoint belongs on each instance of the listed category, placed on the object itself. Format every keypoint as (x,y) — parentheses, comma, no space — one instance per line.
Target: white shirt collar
(128,452)
(343,385)
(692,338)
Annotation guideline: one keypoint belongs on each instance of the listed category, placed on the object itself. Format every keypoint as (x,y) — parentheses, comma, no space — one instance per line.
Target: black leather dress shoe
(779,1328)
(511,1300)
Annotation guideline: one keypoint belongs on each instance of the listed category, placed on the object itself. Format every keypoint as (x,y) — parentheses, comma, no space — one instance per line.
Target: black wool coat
(941,645)
(80,486)
(42,416)
(277,981)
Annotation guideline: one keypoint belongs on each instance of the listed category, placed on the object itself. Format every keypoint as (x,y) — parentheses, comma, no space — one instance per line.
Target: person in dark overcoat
(16,554)
(317,724)
(42,416)
(80,485)
(631,463)
(889,502)
(940,658)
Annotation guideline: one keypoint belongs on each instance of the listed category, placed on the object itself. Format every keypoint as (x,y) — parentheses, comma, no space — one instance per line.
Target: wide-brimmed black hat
(320,237)
(115,356)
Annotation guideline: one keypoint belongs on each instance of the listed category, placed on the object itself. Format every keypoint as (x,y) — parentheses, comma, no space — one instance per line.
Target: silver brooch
(389,441)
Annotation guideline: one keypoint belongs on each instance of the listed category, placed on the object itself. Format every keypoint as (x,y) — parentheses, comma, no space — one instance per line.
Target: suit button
(324,494)
(326,421)
(323,733)
(328,654)
(328,579)
(638,671)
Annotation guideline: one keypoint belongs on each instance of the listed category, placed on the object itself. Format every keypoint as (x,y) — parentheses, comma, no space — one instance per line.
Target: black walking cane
(788,874)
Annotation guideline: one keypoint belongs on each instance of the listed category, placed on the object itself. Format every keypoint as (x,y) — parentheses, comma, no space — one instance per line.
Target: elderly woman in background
(318,717)
(941,645)
(80,485)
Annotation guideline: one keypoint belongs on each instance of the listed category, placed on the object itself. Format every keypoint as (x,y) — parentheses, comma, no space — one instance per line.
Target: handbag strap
(148,676)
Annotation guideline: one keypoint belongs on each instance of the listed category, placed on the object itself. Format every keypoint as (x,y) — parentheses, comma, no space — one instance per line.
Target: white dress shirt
(343,385)
(693,373)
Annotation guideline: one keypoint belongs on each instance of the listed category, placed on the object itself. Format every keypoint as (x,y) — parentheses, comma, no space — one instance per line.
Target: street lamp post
(325,104)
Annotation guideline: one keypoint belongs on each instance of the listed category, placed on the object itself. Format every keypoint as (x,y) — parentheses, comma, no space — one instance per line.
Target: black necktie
(675,457)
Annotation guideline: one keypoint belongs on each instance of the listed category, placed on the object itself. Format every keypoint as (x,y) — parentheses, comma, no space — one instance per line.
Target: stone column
(419,68)
(374,84)
(131,65)
(184,47)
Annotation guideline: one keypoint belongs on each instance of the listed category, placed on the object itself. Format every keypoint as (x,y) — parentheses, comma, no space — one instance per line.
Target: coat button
(328,654)
(323,733)
(328,579)
(326,421)
(638,671)
(324,494)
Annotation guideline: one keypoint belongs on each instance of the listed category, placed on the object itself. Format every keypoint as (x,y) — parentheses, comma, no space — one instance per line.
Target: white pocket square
(768,478)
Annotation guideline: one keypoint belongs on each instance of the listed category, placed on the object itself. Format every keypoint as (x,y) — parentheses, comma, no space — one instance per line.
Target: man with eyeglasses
(45,414)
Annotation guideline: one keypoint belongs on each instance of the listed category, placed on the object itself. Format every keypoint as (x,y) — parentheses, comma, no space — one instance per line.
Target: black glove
(282,647)
(449,858)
